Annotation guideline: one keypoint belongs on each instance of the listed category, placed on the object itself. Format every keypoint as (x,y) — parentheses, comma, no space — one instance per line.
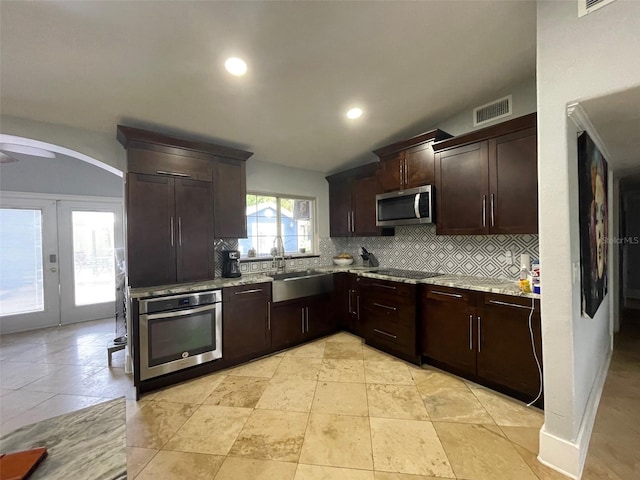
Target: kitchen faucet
(277,251)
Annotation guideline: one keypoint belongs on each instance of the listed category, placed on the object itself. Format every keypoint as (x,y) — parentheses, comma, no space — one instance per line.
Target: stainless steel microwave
(406,207)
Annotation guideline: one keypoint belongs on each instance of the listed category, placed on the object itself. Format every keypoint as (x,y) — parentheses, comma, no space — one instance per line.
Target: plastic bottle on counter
(525,284)
(535,276)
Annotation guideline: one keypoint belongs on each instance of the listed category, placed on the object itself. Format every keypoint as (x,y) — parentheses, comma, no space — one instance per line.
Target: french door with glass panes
(57,261)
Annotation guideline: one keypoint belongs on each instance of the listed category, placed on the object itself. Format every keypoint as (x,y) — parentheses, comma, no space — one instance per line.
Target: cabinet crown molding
(432,135)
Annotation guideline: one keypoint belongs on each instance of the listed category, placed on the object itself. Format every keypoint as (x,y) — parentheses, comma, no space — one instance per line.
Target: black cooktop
(412,274)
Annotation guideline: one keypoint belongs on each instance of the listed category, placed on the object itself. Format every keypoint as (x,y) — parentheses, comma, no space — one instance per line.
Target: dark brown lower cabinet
(246,329)
(388,316)
(296,321)
(485,337)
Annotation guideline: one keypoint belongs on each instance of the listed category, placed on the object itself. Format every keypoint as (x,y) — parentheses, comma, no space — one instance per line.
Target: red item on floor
(19,465)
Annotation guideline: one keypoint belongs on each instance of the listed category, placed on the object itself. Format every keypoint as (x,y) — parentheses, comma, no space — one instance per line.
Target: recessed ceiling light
(235,66)
(354,113)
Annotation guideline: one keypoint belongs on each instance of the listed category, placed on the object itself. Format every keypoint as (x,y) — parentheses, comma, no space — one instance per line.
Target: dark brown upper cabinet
(180,195)
(486,180)
(409,163)
(352,203)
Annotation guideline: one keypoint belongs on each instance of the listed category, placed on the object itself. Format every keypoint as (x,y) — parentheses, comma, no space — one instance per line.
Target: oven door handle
(179,313)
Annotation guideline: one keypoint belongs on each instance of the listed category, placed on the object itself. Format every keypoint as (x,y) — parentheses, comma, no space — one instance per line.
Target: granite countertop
(89,440)
(504,286)
(141,292)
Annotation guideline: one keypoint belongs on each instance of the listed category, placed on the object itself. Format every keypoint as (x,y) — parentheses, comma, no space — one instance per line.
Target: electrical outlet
(508,257)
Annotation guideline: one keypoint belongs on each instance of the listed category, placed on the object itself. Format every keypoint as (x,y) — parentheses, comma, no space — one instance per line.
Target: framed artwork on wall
(593,211)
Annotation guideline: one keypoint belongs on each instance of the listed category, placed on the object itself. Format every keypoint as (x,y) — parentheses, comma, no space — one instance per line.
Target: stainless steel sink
(291,285)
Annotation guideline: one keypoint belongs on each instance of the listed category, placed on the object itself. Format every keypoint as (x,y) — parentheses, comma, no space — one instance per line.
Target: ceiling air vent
(587,6)
(491,111)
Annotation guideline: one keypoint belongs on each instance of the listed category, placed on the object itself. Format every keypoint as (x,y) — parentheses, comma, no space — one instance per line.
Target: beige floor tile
(402,476)
(181,466)
(507,411)
(211,429)
(241,468)
(19,401)
(542,472)
(272,435)
(619,451)
(344,337)
(343,351)
(455,405)
(342,371)
(52,407)
(337,441)
(309,350)
(408,446)
(264,367)
(236,391)
(79,354)
(137,459)
(481,452)
(597,469)
(300,368)
(14,375)
(374,354)
(527,437)
(156,422)
(317,472)
(431,379)
(293,395)
(194,391)
(388,373)
(395,401)
(340,399)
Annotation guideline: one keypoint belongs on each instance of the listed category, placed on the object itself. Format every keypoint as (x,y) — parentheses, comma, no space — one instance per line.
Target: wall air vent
(587,6)
(492,111)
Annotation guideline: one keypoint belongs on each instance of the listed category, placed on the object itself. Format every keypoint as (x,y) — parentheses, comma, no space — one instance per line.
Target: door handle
(479,334)
(180,231)
(484,210)
(307,309)
(171,229)
(385,306)
(470,332)
(358,306)
(244,292)
(302,318)
(353,221)
(53,269)
(455,295)
(348,221)
(401,175)
(390,287)
(385,333)
(350,308)
(268,315)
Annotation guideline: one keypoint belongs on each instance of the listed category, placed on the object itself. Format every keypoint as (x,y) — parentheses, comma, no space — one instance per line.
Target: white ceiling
(616,118)
(159,65)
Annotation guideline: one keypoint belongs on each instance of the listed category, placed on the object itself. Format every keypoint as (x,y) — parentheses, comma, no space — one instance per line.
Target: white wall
(577,59)
(267,177)
(524,102)
(100,146)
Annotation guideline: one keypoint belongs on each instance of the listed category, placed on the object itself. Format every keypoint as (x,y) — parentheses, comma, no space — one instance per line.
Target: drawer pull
(244,292)
(385,306)
(173,174)
(384,286)
(507,304)
(455,295)
(385,333)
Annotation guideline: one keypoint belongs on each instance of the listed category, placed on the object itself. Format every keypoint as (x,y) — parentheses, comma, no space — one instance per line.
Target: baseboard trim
(565,456)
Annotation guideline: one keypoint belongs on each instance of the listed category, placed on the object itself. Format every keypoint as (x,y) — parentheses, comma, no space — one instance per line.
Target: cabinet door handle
(358,306)
(268,315)
(350,308)
(385,333)
(455,295)
(244,292)
(390,287)
(348,221)
(353,221)
(173,174)
(479,334)
(385,306)
(401,175)
(171,229)
(180,231)
(507,304)
(484,210)
(493,220)
(307,309)
(302,318)
(470,332)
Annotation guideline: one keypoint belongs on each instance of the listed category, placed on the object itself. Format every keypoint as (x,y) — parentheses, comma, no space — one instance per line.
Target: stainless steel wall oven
(179,331)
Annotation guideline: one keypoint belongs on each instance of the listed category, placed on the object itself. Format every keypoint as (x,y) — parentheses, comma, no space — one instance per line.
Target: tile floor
(331,409)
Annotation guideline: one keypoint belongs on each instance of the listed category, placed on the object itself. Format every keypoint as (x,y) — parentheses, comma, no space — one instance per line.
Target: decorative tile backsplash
(419,248)
(416,248)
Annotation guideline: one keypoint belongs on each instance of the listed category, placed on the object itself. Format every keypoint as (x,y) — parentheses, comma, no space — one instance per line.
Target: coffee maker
(230,263)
